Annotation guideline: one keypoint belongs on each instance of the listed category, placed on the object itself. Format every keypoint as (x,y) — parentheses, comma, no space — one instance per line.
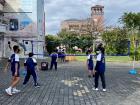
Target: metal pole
(93,41)
(93,46)
(134,51)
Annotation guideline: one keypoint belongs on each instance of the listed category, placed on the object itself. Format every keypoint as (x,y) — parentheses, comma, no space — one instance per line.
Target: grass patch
(81,58)
(117,58)
(108,58)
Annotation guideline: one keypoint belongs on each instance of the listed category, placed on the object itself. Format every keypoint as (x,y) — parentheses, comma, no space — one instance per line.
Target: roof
(76,20)
(73,20)
(97,6)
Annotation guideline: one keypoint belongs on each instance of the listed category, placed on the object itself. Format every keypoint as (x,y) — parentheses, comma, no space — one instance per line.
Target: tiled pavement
(71,86)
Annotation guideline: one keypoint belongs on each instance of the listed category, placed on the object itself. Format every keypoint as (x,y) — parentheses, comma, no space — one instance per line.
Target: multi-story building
(24,26)
(93,24)
(3,27)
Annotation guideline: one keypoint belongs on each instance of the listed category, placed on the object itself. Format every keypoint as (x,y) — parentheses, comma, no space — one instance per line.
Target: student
(88,51)
(15,66)
(30,65)
(54,57)
(59,52)
(100,68)
(63,55)
(90,65)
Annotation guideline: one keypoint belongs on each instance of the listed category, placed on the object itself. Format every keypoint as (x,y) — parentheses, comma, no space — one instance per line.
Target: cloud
(59,10)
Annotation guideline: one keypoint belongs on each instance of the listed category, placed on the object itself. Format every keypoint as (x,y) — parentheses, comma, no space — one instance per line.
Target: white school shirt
(99,57)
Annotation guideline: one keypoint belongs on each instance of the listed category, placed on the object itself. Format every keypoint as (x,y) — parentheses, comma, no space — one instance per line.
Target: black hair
(100,45)
(88,52)
(31,54)
(55,51)
(15,48)
(100,48)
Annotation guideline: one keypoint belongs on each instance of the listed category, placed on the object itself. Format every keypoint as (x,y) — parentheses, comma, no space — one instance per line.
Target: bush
(116,41)
(52,42)
(136,53)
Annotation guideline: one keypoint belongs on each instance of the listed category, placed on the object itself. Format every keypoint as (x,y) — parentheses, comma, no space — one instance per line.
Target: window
(13,25)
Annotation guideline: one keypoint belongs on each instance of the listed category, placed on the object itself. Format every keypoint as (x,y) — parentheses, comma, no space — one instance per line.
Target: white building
(23,24)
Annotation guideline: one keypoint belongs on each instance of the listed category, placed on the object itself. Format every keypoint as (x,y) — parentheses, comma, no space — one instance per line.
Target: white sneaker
(8,91)
(95,89)
(104,90)
(15,90)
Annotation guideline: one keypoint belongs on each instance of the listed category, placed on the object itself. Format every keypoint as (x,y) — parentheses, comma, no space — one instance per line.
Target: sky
(60,10)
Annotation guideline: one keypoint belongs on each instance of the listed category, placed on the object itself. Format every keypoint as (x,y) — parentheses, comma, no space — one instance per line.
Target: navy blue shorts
(90,68)
(13,73)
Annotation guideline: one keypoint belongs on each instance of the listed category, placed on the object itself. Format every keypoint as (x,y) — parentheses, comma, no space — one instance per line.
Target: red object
(44,65)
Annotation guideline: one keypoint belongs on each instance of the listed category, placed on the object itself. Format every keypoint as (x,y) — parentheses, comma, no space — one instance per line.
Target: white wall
(35,18)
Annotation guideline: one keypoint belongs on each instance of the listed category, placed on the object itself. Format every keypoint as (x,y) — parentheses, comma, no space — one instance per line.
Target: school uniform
(54,57)
(90,62)
(30,64)
(100,70)
(59,53)
(14,59)
(63,57)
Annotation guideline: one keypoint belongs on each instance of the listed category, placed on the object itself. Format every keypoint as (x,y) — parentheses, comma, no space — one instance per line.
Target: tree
(131,21)
(116,41)
(71,39)
(94,29)
(63,34)
(52,42)
(85,42)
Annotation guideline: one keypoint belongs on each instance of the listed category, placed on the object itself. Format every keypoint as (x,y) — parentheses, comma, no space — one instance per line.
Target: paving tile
(70,85)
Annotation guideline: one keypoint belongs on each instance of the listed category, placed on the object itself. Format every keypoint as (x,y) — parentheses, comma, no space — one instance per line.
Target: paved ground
(71,86)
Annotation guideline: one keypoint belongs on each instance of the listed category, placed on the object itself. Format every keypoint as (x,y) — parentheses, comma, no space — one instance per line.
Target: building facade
(95,23)
(24,26)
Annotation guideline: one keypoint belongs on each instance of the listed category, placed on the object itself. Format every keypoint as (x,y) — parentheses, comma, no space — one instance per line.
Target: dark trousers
(62,59)
(27,77)
(53,64)
(102,76)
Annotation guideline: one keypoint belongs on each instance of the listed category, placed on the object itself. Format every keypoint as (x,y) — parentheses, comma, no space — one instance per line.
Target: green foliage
(52,42)
(71,39)
(85,42)
(64,34)
(135,53)
(132,22)
(116,41)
